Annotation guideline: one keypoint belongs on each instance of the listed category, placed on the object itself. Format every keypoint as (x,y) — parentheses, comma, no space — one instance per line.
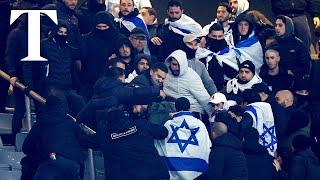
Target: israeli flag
(133,22)
(263,121)
(186,149)
(249,49)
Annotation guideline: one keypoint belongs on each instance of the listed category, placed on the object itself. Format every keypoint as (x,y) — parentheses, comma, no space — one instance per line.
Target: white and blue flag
(186,149)
(263,121)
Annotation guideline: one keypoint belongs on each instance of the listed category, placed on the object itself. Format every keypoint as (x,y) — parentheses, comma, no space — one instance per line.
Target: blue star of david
(270,131)
(182,143)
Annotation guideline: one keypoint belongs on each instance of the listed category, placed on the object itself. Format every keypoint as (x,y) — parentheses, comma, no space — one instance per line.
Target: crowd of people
(165,100)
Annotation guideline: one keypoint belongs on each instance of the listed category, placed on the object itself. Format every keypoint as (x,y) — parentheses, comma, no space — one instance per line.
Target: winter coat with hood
(96,47)
(60,57)
(67,15)
(296,7)
(243,5)
(294,54)
(128,147)
(86,13)
(227,160)
(187,84)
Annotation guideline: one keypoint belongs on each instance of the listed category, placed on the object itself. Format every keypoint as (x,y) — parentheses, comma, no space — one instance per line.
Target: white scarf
(234,86)
(185,25)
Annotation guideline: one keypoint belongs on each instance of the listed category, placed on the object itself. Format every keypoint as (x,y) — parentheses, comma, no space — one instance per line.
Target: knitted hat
(249,65)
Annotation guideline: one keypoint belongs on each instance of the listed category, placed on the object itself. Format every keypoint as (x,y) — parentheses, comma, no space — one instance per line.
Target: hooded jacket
(188,84)
(243,5)
(54,132)
(227,160)
(96,47)
(294,54)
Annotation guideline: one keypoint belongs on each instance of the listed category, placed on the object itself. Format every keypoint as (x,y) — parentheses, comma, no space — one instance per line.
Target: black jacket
(95,50)
(304,166)
(259,162)
(227,160)
(54,132)
(4,29)
(281,81)
(107,86)
(297,7)
(16,49)
(85,15)
(129,150)
(67,15)
(170,42)
(294,55)
(60,58)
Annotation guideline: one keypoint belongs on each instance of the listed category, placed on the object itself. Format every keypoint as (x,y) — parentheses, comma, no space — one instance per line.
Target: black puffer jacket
(227,160)
(296,7)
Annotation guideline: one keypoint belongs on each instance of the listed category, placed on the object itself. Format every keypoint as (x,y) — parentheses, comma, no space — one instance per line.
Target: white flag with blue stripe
(263,121)
(186,149)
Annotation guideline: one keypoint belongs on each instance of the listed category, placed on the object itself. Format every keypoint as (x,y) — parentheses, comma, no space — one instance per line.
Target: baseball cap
(138,33)
(189,38)
(218,98)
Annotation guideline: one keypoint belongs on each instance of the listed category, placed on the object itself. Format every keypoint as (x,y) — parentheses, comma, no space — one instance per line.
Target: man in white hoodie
(183,81)
(238,6)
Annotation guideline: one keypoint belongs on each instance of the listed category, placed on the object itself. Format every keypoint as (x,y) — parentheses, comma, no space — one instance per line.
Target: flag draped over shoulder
(186,149)
(249,49)
(263,121)
(185,25)
(132,22)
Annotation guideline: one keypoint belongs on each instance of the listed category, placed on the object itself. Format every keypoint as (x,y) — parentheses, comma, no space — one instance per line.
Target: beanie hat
(182,104)
(249,65)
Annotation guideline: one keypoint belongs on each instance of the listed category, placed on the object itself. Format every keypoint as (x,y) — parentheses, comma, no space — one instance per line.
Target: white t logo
(34,30)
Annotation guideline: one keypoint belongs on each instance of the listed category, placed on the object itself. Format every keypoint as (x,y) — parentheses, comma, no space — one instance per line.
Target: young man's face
(272,59)
(222,14)
(158,76)
(243,28)
(126,6)
(217,35)
(125,51)
(280,27)
(175,67)
(147,18)
(62,31)
(143,65)
(234,5)
(192,45)
(102,26)
(174,13)
(139,108)
(218,106)
(71,4)
(245,74)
